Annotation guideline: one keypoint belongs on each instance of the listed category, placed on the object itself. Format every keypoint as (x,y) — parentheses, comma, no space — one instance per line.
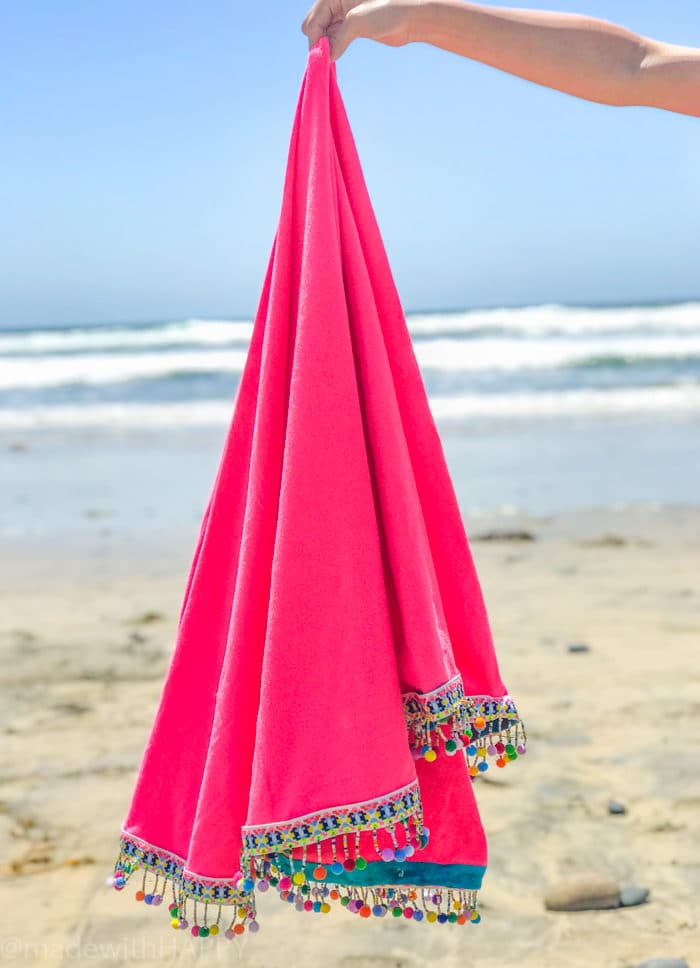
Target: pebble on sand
(578,647)
(614,806)
(582,892)
(632,895)
(664,963)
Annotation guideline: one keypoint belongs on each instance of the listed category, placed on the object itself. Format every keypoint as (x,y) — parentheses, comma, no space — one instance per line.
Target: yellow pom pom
(481,751)
(430,755)
(431,916)
(174,923)
(325,907)
(214,929)
(242,912)
(298,877)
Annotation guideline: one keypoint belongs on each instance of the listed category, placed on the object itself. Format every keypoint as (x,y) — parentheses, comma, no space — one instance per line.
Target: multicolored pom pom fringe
(445,720)
(207,908)
(363,851)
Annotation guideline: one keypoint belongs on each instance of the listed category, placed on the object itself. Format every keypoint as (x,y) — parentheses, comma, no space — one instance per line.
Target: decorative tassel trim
(203,914)
(135,853)
(164,874)
(417,902)
(483,726)
(400,810)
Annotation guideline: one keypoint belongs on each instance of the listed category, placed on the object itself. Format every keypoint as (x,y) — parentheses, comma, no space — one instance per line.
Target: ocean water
(540,408)
(536,361)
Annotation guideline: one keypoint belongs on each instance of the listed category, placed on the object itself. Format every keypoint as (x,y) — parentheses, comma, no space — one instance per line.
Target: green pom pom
(360,863)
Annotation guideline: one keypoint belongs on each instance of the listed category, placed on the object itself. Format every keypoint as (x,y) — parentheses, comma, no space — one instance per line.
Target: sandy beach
(86,633)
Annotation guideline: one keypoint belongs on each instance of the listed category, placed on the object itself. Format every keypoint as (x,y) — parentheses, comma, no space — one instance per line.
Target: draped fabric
(334,689)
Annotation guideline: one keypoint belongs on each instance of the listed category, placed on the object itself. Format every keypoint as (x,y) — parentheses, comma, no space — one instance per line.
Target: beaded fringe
(444,720)
(203,918)
(447,720)
(206,918)
(435,904)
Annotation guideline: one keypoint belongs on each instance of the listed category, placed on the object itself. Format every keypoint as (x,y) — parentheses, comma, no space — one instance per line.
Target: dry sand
(85,637)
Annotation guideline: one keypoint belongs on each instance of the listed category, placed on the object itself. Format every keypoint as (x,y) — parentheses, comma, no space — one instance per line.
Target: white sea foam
(552,319)
(203,332)
(102,368)
(443,355)
(528,321)
(680,400)
(451,355)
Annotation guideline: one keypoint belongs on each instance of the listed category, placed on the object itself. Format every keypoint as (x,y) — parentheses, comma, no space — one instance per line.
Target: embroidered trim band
(400,809)
(483,726)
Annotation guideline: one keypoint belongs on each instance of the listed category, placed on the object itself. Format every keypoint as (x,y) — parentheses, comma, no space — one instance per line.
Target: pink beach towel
(334,687)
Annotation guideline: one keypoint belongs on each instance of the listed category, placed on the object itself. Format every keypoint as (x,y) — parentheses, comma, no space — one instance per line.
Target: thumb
(341,35)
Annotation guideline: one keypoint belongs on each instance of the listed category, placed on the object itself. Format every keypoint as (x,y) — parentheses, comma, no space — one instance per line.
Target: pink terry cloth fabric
(334,688)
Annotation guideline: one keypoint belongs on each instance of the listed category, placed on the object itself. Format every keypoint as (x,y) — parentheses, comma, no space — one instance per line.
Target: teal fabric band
(466,876)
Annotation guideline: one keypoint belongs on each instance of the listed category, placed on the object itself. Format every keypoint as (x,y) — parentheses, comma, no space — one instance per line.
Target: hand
(390,22)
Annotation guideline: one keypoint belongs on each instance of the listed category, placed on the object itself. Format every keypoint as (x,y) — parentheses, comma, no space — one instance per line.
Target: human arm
(589,58)
(579,55)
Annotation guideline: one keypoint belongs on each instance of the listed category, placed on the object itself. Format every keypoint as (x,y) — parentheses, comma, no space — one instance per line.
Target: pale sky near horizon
(142,150)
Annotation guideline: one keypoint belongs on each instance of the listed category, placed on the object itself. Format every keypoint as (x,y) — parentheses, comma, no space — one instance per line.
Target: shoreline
(80,486)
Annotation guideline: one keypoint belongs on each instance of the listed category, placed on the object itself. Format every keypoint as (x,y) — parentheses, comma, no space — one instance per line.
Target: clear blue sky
(143,144)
